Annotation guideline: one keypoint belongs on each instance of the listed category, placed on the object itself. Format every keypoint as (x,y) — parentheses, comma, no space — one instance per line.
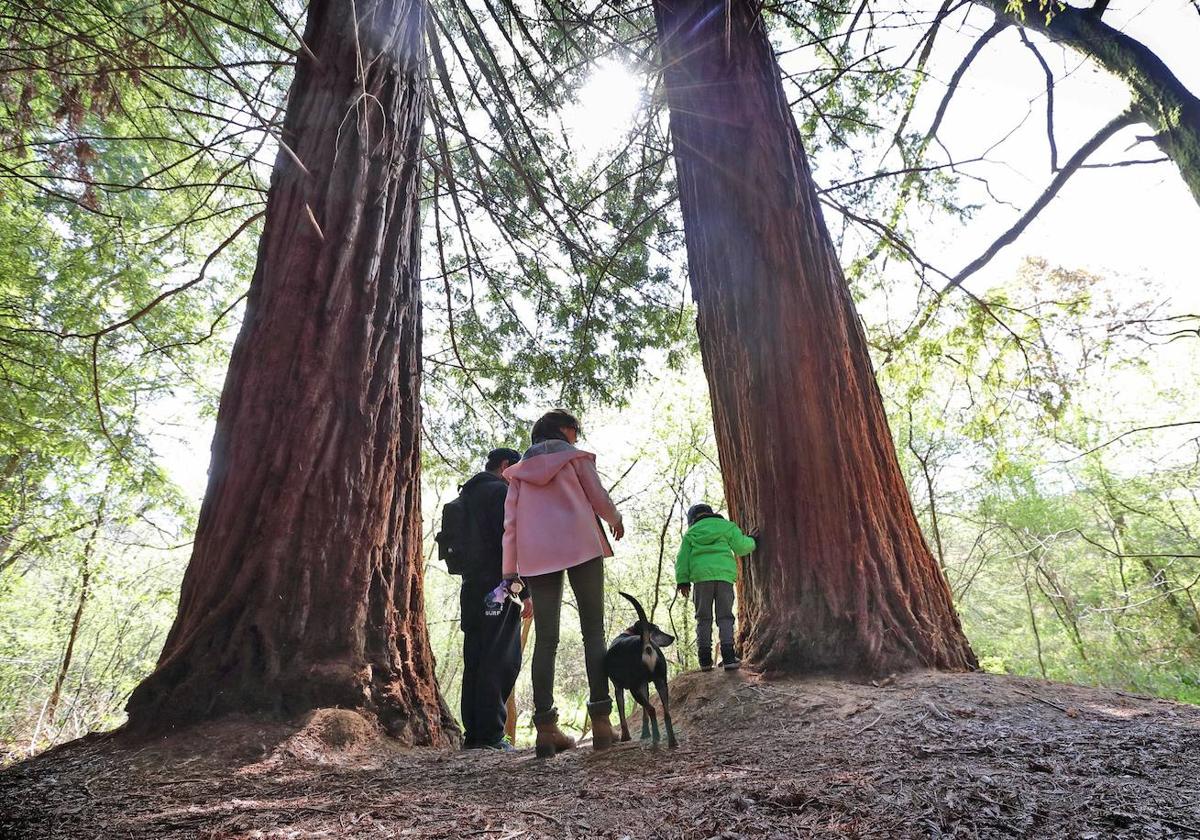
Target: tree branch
(1009,236)
(124,322)
(1165,102)
(1127,434)
(995,29)
(1049,98)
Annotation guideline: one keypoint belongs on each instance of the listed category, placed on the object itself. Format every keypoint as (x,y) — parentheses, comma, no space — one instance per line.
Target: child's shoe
(729,659)
(705,659)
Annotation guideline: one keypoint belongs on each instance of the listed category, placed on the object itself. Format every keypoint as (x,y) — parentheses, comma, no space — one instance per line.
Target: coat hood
(711,529)
(543,461)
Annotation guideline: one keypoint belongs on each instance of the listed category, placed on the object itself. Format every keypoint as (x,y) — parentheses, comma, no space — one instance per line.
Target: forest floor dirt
(924,755)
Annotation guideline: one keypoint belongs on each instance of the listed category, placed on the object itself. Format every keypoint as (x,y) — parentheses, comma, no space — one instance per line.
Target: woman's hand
(513,585)
(618,530)
(685,589)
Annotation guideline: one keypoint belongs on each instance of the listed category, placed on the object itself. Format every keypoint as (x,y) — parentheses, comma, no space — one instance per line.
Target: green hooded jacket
(708,549)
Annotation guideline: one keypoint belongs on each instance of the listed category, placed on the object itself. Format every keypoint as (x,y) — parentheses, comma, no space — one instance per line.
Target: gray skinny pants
(707,594)
(587,581)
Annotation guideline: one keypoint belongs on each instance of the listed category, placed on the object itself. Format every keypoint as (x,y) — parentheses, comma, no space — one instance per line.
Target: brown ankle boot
(550,739)
(602,731)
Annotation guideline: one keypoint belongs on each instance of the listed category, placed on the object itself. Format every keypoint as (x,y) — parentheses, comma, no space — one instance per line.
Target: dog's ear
(660,638)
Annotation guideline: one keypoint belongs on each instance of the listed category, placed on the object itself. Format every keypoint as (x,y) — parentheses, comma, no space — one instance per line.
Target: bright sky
(604,108)
(1134,223)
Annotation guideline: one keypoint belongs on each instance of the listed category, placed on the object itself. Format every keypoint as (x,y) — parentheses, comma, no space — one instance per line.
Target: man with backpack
(470,544)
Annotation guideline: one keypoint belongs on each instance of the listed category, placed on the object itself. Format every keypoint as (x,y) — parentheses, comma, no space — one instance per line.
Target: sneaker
(729,659)
(496,746)
(500,746)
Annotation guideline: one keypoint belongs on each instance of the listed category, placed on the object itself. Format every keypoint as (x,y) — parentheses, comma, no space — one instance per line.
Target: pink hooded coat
(554,496)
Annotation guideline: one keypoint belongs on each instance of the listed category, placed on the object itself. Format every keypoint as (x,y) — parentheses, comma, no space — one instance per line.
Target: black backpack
(459,545)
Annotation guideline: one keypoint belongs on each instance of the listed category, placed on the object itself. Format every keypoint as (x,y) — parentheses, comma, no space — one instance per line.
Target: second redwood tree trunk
(844,579)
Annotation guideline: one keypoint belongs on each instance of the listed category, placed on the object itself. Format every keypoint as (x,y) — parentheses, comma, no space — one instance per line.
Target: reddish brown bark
(845,579)
(304,587)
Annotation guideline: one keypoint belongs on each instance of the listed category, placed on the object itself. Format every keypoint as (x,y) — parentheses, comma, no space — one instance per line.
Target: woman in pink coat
(552,525)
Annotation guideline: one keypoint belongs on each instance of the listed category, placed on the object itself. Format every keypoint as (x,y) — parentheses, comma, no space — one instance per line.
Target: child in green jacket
(706,558)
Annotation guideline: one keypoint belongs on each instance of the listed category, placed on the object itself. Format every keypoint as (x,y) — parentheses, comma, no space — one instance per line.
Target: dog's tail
(641,617)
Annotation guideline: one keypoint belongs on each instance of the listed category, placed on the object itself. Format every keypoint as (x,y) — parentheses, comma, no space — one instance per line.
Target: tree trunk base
(168,700)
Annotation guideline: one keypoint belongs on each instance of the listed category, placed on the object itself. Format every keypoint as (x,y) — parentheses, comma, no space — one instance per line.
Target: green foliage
(124,185)
(1069,537)
(556,273)
(130,603)
(1046,8)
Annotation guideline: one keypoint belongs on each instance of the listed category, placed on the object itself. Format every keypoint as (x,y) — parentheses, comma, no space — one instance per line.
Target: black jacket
(485,494)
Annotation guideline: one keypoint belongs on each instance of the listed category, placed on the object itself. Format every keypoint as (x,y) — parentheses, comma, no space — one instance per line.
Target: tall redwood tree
(304,586)
(844,579)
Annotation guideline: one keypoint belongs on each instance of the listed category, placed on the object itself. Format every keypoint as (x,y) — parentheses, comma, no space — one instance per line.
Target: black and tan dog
(633,661)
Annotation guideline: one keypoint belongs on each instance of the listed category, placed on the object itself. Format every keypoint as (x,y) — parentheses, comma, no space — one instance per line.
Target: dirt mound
(922,755)
(332,737)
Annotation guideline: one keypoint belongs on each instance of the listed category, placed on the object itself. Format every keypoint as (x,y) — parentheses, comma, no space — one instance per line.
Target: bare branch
(1049,98)
(910,170)
(1127,434)
(981,42)
(1164,101)
(124,322)
(1009,236)
(1122,163)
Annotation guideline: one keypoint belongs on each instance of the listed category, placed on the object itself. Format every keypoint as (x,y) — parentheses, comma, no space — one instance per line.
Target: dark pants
(709,594)
(491,662)
(587,581)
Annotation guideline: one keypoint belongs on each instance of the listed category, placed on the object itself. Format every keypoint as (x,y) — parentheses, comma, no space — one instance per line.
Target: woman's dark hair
(550,425)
